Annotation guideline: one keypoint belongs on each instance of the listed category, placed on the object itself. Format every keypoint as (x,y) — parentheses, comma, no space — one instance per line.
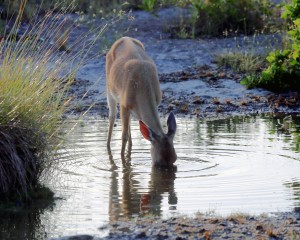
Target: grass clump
(244,62)
(247,55)
(148,5)
(283,69)
(33,99)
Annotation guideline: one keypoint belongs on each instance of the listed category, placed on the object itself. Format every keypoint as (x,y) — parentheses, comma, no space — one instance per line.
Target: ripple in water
(225,166)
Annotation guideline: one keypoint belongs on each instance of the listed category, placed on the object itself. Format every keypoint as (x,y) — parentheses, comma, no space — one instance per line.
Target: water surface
(249,165)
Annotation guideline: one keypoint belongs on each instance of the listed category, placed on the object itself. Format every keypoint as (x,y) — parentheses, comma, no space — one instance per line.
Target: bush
(33,99)
(283,71)
(148,5)
(217,16)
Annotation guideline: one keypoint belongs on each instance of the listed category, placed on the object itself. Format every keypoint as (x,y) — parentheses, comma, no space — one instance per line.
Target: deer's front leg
(129,137)
(112,104)
(125,116)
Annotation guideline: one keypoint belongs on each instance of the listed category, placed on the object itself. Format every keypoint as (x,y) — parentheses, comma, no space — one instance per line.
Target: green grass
(248,54)
(242,62)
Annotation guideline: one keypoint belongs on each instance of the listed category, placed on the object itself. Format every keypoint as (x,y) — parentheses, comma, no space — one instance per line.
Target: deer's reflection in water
(127,198)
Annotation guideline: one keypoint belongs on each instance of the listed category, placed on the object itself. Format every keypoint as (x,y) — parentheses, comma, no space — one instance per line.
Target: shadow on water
(16,224)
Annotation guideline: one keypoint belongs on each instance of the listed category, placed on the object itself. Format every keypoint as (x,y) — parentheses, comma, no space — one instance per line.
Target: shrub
(33,98)
(148,5)
(283,71)
(216,16)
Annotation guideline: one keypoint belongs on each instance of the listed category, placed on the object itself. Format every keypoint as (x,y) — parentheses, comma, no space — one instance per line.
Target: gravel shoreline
(236,226)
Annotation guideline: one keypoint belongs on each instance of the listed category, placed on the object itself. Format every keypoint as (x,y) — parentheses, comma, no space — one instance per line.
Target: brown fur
(132,80)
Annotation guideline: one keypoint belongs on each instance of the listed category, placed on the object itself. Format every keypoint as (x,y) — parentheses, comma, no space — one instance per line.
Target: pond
(238,165)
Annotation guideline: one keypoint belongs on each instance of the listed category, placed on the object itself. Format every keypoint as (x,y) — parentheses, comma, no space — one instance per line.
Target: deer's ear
(171,125)
(146,131)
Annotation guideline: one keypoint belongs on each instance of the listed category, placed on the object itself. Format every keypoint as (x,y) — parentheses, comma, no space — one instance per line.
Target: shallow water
(249,165)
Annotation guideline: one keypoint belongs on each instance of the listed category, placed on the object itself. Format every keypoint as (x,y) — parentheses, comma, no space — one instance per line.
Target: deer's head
(162,149)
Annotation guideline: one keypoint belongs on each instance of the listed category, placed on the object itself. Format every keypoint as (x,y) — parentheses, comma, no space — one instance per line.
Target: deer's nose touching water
(132,80)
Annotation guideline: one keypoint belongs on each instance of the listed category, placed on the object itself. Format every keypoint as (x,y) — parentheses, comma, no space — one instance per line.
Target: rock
(184,108)
(198,100)
(171,107)
(76,237)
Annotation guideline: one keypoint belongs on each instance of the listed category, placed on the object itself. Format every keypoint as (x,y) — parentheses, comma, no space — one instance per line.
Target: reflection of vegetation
(289,128)
(25,223)
(295,186)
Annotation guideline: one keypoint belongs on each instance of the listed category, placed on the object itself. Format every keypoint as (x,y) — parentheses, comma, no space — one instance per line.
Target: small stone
(171,107)
(215,101)
(196,112)
(184,108)
(141,235)
(222,75)
(259,228)
(198,100)
(175,102)
(224,224)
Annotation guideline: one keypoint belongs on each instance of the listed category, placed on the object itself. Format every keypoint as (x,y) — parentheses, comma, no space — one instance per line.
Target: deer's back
(131,73)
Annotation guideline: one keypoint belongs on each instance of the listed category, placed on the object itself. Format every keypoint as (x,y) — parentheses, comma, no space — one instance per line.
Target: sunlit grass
(35,75)
(244,62)
(248,54)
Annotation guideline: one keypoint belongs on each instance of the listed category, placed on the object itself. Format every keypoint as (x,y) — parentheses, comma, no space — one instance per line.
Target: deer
(132,81)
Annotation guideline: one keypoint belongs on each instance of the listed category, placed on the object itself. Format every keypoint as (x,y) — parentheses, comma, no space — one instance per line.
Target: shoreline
(279,225)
